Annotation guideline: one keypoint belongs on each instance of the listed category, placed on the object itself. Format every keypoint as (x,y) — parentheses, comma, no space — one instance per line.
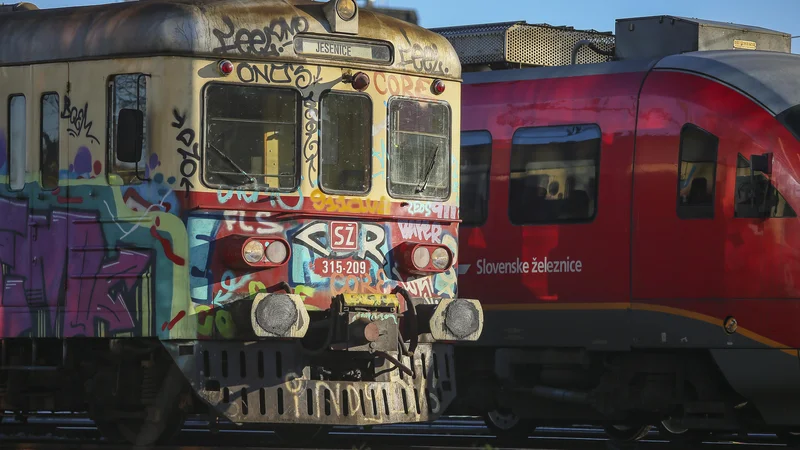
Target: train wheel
(680,435)
(627,433)
(790,438)
(301,434)
(508,426)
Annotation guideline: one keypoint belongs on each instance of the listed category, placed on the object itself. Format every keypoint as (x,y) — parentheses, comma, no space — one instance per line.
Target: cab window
(419,149)
(345,143)
(251,137)
(697,173)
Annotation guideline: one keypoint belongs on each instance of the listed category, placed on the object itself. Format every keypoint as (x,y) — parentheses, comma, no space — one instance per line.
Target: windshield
(419,149)
(251,137)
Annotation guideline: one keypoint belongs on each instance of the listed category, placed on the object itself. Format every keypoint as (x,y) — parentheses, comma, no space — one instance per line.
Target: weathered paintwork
(253,30)
(140,259)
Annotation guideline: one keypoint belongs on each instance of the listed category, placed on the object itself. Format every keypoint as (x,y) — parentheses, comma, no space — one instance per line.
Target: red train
(629,224)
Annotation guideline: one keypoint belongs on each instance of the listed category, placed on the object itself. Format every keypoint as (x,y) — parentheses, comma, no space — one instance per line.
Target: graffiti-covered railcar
(630,226)
(251,205)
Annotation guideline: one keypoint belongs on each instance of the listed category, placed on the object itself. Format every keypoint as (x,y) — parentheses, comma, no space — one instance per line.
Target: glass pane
(17,142)
(345,147)
(554,174)
(129,92)
(251,136)
(50,142)
(698,165)
(476,156)
(419,151)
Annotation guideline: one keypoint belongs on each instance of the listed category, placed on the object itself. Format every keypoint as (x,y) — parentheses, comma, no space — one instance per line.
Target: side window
(345,143)
(126,91)
(554,173)
(17,142)
(780,209)
(476,159)
(49,135)
(697,173)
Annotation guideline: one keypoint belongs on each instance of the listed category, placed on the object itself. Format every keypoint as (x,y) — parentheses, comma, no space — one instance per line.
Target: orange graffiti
(355,284)
(341,204)
(400,85)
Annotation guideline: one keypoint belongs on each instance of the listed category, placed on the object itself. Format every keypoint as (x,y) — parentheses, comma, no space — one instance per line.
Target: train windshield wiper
(428,173)
(232,163)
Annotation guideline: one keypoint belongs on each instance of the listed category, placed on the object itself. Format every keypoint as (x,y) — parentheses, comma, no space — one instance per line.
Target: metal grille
(270,382)
(522,43)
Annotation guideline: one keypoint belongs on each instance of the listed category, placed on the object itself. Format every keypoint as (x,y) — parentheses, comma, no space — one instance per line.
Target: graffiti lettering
(247,197)
(354,205)
(230,284)
(297,76)
(371,238)
(237,220)
(311,144)
(98,289)
(421,231)
(208,317)
(423,59)
(189,152)
(272,40)
(78,120)
(400,85)
(436,210)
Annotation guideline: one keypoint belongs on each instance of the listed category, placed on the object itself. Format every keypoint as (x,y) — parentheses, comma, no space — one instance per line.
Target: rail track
(71,431)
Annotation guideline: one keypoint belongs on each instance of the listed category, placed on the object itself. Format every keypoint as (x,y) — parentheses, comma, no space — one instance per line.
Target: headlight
(253,252)
(421,257)
(441,258)
(277,252)
(346,9)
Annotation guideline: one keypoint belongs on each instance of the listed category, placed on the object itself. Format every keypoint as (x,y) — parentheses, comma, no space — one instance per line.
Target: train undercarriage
(684,395)
(351,365)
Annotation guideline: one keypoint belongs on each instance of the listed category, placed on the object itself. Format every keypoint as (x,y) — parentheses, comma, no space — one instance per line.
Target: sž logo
(344,236)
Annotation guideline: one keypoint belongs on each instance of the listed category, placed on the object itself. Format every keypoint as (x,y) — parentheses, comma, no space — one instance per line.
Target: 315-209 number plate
(331,267)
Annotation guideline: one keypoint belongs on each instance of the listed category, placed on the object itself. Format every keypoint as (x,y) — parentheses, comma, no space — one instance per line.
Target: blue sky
(781,15)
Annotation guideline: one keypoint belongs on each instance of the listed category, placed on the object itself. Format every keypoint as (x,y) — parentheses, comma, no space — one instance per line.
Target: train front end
(323,232)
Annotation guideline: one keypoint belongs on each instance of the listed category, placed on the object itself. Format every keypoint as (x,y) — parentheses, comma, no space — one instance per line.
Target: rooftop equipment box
(659,36)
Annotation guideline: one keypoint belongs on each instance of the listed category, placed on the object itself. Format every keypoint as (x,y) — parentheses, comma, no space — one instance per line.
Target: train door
(47,211)
(679,224)
(15,136)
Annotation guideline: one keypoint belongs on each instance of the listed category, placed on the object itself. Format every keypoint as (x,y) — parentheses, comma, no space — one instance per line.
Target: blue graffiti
(202,239)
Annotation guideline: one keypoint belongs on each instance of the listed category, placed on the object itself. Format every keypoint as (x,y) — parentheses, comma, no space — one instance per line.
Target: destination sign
(335,49)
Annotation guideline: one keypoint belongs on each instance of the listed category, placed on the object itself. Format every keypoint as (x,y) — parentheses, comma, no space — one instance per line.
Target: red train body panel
(609,234)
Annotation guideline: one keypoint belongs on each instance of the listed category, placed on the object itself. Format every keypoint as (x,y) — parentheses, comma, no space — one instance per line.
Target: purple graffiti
(151,165)
(34,250)
(83,163)
(3,155)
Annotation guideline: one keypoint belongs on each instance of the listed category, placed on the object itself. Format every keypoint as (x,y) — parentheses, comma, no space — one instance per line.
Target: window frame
(773,213)
(41,134)
(389,141)
(111,145)
(371,115)
(10,147)
(685,212)
(597,159)
(203,136)
(488,177)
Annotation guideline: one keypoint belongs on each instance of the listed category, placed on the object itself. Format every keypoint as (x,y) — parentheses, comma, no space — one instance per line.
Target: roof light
(360,81)
(438,87)
(225,67)
(346,9)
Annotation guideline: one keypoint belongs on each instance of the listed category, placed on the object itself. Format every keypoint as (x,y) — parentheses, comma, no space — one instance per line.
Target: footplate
(271,383)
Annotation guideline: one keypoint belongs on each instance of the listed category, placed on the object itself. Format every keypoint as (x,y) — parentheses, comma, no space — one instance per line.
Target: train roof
(771,78)
(234,29)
